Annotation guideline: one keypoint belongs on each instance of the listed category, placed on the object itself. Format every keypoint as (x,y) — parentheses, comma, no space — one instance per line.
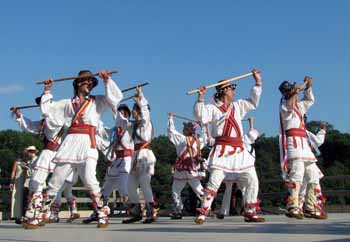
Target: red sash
(141,146)
(294,133)
(84,129)
(123,153)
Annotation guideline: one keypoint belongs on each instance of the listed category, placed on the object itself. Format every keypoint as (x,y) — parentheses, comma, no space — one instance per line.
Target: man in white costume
(297,159)
(102,144)
(189,163)
(119,153)
(225,117)
(78,152)
(51,134)
(246,179)
(143,161)
(311,199)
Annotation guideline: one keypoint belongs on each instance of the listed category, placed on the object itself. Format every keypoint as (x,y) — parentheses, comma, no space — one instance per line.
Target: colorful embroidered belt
(85,129)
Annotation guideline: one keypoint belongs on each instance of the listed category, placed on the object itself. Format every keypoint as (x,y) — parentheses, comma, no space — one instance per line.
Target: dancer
(297,159)
(78,151)
(143,161)
(189,162)
(225,118)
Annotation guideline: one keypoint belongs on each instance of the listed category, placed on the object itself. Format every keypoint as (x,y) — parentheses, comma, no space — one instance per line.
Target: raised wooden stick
(224,82)
(23,107)
(184,118)
(126,99)
(134,87)
(73,77)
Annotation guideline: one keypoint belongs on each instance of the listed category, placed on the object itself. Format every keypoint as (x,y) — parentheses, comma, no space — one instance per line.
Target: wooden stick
(134,87)
(73,77)
(23,107)
(184,118)
(224,82)
(126,99)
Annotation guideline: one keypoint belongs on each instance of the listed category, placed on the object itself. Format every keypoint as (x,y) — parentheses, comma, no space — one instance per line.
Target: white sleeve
(246,105)
(203,112)
(111,99)
(319,138)
(205,136)
(145,114)
(103,135)
(307,101)
(175,137)
(56,111)
(113,93)
(28,125)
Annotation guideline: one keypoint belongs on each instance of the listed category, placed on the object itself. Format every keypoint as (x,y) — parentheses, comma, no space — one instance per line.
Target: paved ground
(277,228)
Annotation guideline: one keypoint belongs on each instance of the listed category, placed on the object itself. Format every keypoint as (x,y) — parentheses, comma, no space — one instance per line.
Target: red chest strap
(230,123)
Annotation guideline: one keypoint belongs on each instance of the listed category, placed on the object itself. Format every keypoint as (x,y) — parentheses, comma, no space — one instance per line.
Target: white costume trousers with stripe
(178,186)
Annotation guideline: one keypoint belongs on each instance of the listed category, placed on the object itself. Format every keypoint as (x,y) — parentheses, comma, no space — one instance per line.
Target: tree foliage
(335,161)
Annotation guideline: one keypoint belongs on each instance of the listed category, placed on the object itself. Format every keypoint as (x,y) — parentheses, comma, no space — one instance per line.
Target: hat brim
(94,81)
(233,86)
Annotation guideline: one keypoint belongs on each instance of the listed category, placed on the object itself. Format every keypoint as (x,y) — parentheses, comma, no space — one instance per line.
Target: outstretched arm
(203,112)
(28,125)
(309,98)
(113,93)
(252,102)
(174,136)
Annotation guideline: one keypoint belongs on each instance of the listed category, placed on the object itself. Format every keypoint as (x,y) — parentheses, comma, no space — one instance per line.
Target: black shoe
(18,221)
(176,216)
(150,216)
(132,220)
(220,216)
(148,220)
(92,218)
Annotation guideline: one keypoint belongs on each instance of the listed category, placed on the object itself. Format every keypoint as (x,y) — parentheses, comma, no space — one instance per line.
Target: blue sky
(177,46)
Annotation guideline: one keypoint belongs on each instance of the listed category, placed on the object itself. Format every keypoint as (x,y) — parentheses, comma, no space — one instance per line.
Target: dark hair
(285,88)
(191,126)
(125,108)
(77,80)
(220,90)
(38,100)
(138,109)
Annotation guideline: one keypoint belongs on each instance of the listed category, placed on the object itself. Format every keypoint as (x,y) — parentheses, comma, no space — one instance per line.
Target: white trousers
(143,181)
(119,183)
(67,189)
(86,172)
(301,175)
(248,183)
(178,186)
(226,200)
(117,177)
(43,167)
(299,170)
